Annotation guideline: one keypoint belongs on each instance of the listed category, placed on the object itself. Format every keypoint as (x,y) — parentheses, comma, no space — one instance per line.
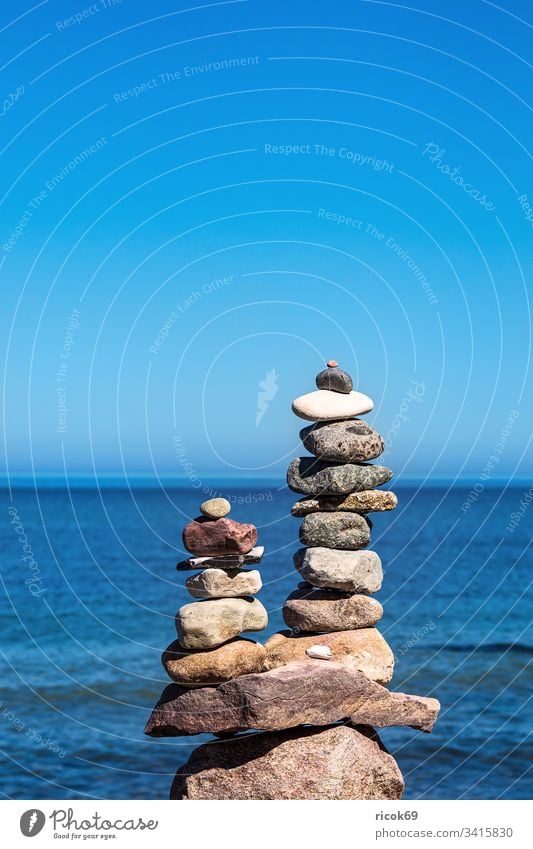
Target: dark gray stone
(350,441)
(316,477)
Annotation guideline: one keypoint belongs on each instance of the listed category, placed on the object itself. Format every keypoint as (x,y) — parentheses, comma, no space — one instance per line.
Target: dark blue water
(81,642)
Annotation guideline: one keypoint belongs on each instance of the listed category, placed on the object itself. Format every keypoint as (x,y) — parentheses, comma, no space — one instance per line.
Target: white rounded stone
(324,405)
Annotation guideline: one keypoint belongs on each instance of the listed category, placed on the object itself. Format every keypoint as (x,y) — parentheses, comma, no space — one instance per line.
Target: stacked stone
(209,649)
(339,576)
(315,692)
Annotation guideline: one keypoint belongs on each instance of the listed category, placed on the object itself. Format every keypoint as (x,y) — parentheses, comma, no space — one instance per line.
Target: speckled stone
(367,501)
(351,441)
(316,477)
(335,530)
(215,508)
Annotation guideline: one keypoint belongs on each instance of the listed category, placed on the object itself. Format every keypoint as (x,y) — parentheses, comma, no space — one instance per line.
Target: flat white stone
(325,405)
(253,556)
(320,652)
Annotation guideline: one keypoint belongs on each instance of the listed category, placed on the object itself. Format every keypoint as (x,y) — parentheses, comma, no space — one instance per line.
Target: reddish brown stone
(333,763)
(211,537)
(315,692)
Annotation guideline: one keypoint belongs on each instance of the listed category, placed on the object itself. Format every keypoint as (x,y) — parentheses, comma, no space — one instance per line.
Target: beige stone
(205,624)
(364,649)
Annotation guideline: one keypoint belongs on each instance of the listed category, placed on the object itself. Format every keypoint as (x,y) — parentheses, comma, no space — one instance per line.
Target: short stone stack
(209,649)
(315,692)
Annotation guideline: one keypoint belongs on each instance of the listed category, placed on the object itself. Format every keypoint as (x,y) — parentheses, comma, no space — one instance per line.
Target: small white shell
(320,652)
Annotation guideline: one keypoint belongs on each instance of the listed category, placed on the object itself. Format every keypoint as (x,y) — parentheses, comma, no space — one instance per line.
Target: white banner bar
(268,825)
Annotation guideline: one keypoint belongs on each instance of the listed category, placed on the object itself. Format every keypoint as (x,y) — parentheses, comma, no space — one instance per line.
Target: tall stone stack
(296,717)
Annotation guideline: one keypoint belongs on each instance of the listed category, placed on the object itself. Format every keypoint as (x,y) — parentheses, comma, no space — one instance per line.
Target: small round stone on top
(215,508)
(334,379)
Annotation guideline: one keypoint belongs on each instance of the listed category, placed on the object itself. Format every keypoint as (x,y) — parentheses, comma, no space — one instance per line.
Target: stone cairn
(312,695)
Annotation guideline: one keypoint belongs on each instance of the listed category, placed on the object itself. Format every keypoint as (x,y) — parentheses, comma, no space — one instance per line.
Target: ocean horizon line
(209,482)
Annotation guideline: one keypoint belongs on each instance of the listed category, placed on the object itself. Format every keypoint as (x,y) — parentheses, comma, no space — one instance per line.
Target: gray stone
(223,583)
(205,624)
(330,610)
(335,530)
(351,441)
(351,571)
(316,477)
(334,379)
(333,763)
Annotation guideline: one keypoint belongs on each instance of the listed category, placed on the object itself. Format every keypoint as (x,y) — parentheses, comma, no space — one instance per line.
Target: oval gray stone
(316,477)
(351,571)
(335,530)
(351,441)
(335,379)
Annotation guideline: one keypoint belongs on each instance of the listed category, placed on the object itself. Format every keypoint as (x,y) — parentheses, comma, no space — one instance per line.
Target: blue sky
(196,201)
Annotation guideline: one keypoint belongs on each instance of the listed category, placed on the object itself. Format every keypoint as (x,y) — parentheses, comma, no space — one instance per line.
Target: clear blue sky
(192,199)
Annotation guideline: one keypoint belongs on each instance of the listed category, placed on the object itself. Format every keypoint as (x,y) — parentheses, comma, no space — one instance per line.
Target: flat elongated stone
(225,561)
(367,501)
(365,650)
(350,571)
(330,610)
(210,537)
(213,667)
(223,583)
(351,441)
(335,530)
(301,693)
(332,763)
(315,477)
(324,405)
(205,624)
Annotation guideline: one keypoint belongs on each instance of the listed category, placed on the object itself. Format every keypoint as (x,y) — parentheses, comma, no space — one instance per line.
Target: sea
(90,592)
